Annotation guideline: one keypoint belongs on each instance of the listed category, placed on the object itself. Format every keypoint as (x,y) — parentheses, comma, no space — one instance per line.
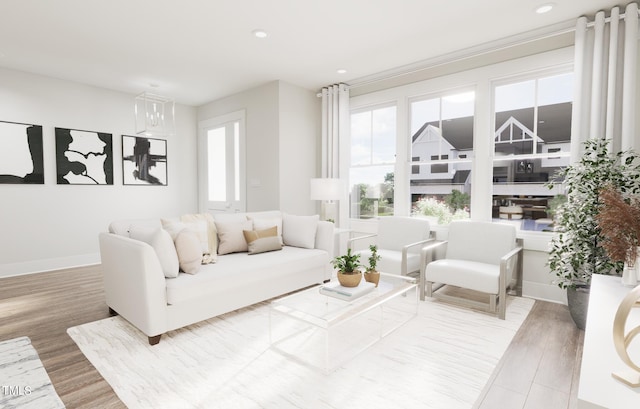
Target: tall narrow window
(373,152)
(221,164)
(532,140)
(442,134)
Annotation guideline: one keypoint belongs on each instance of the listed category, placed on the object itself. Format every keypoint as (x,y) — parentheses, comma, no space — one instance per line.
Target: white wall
(282,133)
(299,154)
(262,121)
(51,226)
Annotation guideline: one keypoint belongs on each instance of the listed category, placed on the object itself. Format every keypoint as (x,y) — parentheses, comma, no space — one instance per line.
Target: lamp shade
(326,189)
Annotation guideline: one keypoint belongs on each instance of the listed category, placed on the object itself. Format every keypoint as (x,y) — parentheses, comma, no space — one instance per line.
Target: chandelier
(155,115)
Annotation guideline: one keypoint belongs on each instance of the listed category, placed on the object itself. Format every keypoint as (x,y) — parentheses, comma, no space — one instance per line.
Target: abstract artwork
(21,158)
(144,161)
(83,157)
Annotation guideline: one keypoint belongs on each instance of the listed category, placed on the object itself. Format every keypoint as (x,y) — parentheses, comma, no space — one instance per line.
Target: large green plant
(576,251)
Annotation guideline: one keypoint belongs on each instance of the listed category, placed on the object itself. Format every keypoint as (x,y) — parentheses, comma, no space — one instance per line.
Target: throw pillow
(198,227)
(264,244)
(211,255)
(264,223)
(162,244)
(189,251)
(299,231)
(251,235)
(230,236)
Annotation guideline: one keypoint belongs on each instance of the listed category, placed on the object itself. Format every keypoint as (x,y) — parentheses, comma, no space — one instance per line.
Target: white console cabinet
(598,389)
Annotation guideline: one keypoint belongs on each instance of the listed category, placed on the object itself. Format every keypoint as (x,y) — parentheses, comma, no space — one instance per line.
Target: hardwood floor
(539,370)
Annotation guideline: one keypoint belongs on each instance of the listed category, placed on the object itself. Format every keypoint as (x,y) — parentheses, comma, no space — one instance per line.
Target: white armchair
(399,240)
(480,256)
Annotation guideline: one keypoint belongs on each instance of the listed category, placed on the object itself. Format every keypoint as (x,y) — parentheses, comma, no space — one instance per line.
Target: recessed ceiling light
(544,8)
(259,33)
(341,71)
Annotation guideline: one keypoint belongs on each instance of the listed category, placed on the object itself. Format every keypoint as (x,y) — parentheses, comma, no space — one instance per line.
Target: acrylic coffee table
(325,332)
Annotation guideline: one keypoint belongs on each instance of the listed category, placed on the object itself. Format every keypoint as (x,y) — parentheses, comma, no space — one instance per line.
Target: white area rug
(24,383)
(440,359)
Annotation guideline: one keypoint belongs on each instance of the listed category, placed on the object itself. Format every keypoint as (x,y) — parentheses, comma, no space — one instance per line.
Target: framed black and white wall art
(21,159)
(144,161)
(83,157)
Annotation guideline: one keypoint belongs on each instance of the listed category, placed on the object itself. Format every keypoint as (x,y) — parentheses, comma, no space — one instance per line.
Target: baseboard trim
(544,292)
(39,266)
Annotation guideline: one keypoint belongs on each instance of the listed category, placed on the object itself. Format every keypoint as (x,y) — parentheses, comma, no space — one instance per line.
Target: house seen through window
(442,144)
(532,141)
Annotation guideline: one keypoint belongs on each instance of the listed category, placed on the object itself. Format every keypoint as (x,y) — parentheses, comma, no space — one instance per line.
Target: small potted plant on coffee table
(372,275)
(347,266)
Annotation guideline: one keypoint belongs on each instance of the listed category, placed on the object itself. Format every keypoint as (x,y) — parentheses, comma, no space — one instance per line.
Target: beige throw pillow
(211,254)
(231,238)
(189,251)
(265,244)
(260,241)
(261,223)
(251,235)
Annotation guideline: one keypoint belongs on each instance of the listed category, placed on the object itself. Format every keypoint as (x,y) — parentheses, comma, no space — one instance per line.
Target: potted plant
(372,275)
(619,221)
(347,266)
(576,251)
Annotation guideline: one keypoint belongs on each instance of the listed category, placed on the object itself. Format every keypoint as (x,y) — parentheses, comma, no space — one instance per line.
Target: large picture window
(373,155)
(532,140)
(442,151)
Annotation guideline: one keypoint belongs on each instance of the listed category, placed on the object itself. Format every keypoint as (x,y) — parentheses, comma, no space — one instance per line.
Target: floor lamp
(328,190)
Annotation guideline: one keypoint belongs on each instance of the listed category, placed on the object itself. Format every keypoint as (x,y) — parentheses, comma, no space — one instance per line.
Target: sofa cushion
(162,244)
(230,236)
(189,251)
(238,272)
(299,231)
(464,273)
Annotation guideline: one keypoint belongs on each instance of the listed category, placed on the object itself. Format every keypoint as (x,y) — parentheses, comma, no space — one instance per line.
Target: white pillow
(231,237)
(162,244)
(299,231)
(189,251)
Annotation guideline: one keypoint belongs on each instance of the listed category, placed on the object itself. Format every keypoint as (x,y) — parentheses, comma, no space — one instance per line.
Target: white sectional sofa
(136,287)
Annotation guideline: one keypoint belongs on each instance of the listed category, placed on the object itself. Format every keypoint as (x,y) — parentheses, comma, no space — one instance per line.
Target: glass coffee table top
(325,331)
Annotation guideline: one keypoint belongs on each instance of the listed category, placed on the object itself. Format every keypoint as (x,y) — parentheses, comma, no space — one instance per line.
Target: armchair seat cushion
(473,275)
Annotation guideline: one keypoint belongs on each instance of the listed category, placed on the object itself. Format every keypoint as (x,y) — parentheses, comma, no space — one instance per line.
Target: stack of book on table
(334,289)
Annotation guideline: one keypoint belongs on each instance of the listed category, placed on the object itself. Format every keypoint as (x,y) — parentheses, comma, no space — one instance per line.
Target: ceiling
(197,51)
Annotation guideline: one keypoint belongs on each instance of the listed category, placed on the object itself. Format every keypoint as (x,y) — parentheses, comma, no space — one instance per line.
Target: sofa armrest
(134,283)
(325,237)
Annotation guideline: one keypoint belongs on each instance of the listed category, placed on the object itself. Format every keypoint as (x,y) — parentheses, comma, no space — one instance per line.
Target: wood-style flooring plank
(42,306)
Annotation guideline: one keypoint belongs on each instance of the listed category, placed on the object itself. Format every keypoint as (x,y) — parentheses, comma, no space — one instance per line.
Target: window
(373,155)
(532,140)
(415,169)
(442,130)
(221,163)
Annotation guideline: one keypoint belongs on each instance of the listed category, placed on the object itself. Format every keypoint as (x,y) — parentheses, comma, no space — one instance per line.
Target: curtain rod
(608,19)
